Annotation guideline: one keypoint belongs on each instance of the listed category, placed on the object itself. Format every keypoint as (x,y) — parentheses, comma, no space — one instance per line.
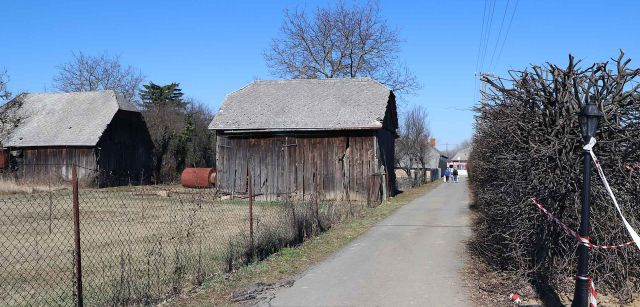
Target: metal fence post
(384,186)
(76,236)
(316,206)
(369,184)
(250,190)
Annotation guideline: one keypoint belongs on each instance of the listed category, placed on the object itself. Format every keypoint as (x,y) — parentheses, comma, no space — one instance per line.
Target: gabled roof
(462,155)
(309,104)
(59,119)
(432,159)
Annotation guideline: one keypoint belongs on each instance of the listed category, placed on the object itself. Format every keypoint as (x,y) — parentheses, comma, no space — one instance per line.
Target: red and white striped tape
(632,232)
(586,240)
(592,291)
(582,240)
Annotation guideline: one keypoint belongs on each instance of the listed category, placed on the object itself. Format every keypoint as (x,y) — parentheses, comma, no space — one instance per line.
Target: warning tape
(632,232)
(592,290)
(582,240)
(586,240)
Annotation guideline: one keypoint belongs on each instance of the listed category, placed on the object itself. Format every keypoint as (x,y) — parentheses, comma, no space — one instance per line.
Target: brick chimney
(432,141)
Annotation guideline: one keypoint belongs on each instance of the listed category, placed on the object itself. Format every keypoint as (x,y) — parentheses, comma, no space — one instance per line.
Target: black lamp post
(589,117)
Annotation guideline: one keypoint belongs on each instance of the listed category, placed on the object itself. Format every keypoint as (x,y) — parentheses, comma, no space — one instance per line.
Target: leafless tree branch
(527,144)
(4,80)
(340,42)
(101,72)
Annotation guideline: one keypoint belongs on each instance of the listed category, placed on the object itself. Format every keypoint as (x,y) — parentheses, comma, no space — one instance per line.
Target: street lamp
(589,118)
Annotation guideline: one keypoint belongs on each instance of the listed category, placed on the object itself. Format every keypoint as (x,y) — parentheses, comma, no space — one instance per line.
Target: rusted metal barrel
(197,177)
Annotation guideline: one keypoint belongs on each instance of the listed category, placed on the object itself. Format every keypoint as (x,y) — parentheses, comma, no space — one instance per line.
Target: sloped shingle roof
(310,104)
(432,158)
(462,155)
(61,119)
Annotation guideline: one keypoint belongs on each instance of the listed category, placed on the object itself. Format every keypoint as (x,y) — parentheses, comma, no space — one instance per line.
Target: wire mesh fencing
(416,178)
(140,244)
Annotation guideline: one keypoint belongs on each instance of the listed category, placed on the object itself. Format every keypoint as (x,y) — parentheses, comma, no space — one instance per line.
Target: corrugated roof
(309,104)
(61,119)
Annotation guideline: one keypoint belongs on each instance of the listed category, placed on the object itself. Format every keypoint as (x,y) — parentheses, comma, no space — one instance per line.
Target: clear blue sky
(215,47)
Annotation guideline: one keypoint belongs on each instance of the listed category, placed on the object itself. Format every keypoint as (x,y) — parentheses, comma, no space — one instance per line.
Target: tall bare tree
(412,147)
(4,79)
(337,42)
(100,72)
(450,152)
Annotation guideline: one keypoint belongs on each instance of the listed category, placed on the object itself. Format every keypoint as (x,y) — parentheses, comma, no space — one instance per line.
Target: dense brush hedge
(527,144)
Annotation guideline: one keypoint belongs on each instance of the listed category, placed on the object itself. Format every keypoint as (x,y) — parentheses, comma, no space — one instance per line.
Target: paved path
(411,258)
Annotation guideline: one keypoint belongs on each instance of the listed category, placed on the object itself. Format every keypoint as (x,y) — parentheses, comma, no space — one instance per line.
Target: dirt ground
(488,287)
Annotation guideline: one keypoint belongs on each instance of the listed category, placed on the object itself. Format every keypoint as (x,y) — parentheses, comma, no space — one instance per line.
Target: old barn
(44,134)
(334,136)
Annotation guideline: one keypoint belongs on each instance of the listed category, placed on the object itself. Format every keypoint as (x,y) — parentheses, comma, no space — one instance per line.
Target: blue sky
(215,47)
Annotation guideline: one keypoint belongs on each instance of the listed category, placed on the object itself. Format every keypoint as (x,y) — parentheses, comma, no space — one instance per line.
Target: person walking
(447,174)
(455,175)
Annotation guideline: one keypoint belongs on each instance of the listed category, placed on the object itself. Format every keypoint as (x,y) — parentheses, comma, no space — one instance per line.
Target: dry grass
(138,247)
(289,262)
(10,186)
(141,245)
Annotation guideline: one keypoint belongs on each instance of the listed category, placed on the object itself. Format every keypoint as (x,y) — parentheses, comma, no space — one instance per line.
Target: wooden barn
(334,136)
(105,136)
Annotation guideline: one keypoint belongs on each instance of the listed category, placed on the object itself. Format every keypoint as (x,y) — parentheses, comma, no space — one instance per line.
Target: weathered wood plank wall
(48,164)
(122,156)
(125,150)
(338,166)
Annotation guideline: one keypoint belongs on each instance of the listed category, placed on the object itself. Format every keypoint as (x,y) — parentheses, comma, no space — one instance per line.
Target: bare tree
(9,117)
(412,147)
(452,151)
(4,79)
(337,42)
(102,72)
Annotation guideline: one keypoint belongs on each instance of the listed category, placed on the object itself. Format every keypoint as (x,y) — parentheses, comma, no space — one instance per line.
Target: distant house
(434,167)
(336,136)
(46,133)
(459,160)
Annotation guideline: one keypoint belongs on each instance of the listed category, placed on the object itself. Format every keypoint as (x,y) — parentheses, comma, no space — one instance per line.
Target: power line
(475,80)
(507,33)
(495,48)
(488,36)
(484,13)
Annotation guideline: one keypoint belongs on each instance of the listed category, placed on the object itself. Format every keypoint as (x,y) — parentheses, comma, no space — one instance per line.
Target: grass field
(139,245)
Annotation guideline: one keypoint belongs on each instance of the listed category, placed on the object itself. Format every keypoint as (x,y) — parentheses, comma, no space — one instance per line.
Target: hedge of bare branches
(528,144)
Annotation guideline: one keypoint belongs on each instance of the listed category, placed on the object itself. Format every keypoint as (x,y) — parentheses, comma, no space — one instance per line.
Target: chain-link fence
(416,178)
(140,244)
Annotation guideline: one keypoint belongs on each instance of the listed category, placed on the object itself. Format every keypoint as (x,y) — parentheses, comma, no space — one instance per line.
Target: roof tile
(304,104)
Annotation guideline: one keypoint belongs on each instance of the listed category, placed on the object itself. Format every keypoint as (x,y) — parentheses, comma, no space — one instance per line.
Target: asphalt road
(413,257)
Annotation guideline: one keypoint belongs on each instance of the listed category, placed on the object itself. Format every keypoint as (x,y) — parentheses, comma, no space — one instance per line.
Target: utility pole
(484,88)
(483,76)
(446,147)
